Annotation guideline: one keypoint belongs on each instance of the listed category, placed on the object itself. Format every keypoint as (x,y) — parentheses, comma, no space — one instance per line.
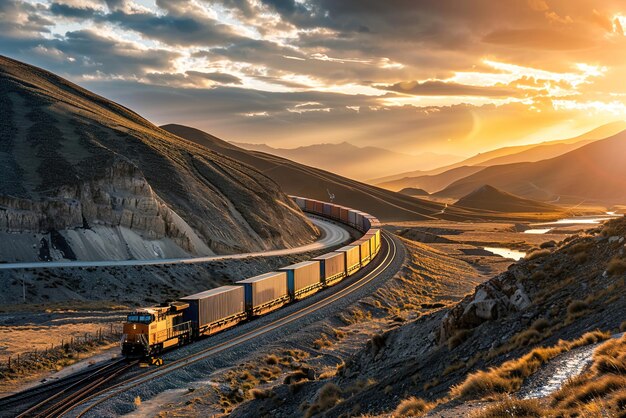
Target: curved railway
(87,407)
(80,394)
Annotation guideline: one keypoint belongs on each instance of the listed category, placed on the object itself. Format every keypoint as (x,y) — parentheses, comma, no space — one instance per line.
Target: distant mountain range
(299,179)
(359,163)
(437,179)
(594,173)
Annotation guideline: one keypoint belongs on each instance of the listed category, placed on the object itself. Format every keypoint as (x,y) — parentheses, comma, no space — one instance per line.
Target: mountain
(83,177)
(364,162)
(594,173)
(505,155)
(432,183)
(489,198)
(299,179)
(411,191)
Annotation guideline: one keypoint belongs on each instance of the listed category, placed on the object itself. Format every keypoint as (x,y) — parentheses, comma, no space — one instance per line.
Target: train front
(136,334)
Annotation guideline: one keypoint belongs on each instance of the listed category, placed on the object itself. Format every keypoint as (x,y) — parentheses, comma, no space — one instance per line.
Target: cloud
(443,88)
(537,38)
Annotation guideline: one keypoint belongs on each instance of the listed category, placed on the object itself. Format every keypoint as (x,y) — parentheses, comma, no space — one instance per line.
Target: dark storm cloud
(66,10)
(222,78)
(442,88)
(183,29)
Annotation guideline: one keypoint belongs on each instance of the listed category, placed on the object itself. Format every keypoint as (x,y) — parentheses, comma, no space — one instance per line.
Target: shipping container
(216,309)
(266,292)
(376,234)
(343,214)
(371,237)
(364,250)
(301,202)
(332,267)
(318,207)
(334,212)
(353,258)
(352,218)
(358,222)
(303,278)
(328,209)
(309,205)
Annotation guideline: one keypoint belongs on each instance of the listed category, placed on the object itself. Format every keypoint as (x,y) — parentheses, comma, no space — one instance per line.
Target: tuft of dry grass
(511,407)
(322,342)
(412,407)
(271,359)
(329,395)
(616,266)
(458,338)
(537,254)
(259,393)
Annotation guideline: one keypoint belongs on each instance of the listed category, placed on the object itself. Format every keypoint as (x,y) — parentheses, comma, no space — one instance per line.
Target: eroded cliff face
(72,161)
(122,198)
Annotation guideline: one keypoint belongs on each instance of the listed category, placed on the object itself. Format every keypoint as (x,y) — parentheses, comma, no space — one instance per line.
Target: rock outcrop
(491,300)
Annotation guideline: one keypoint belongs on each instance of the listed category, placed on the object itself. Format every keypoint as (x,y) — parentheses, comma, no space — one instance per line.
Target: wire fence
(69,350)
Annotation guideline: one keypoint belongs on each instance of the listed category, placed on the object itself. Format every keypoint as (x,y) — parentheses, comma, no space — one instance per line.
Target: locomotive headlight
(134,326)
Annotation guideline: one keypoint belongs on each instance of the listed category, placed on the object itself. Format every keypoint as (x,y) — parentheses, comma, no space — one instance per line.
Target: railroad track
(82,406)
(63,393)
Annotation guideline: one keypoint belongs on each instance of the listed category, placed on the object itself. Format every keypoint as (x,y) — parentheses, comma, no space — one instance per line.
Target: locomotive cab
(149,331)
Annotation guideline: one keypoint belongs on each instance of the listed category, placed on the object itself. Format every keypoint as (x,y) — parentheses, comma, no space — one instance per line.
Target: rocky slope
(559,292)
(78,170)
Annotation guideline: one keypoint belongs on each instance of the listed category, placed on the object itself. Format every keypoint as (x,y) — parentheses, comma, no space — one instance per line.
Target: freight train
(149,331)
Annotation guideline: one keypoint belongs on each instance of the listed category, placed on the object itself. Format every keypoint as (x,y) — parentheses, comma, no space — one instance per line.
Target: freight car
(149,331)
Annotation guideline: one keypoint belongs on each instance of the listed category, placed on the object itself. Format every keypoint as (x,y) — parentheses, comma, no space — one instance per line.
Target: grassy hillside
(74,160)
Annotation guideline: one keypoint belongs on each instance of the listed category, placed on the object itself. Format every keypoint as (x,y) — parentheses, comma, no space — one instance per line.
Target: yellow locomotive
(148,331)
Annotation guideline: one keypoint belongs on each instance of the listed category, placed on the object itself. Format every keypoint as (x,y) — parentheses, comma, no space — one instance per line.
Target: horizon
(427,77)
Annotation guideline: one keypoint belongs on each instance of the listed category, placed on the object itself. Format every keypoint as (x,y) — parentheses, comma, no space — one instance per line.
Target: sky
(455,77)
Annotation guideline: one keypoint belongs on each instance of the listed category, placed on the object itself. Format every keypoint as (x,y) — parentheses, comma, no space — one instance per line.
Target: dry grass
(412,407)
(599,392)
(616,266)
(510,375)
(458,338)
(537,254)
(511,407)
(329,395)
(272,359)
(322,342)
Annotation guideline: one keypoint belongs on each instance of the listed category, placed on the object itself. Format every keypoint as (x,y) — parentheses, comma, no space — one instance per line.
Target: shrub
(576,307)
(616,266)
(537,254)
(260,393)
(529,336)
(540,325)
(322,342)
(412,407)
(271,359)
(458,338)
(328,397)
